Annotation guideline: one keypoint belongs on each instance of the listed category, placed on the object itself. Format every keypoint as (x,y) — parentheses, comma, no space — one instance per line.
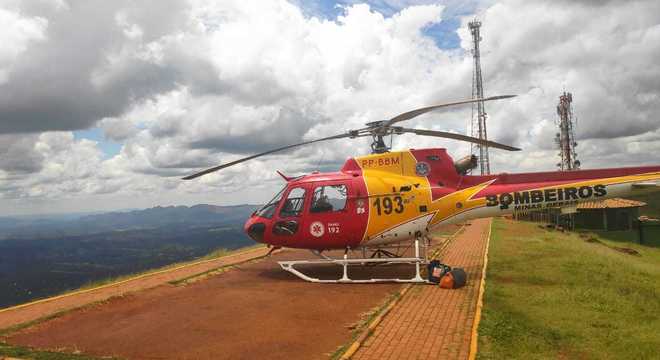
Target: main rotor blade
(448,135)
(414,113)
(219,167)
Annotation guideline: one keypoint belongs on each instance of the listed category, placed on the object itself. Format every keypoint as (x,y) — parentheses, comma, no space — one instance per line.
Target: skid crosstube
(345,263)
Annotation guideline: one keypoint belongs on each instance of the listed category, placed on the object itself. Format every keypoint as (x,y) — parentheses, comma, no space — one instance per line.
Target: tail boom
(508,193)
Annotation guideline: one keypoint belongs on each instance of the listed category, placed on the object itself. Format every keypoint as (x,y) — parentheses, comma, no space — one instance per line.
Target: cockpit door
(287,223)
(329,220)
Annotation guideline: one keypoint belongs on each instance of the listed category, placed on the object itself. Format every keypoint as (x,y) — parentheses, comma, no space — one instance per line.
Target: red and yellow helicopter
(397,197)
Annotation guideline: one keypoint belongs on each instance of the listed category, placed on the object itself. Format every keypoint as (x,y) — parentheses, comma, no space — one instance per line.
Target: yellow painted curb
(355,346)
(125,281)
(480,300)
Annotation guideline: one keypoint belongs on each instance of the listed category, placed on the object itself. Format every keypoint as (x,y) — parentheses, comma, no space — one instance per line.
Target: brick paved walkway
(430,322)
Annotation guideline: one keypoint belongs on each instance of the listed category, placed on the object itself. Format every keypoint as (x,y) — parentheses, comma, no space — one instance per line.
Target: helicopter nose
(255,230)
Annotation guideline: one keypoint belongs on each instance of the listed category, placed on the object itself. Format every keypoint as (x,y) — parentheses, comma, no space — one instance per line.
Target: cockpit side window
(329,198)
(293,205)
(268,210)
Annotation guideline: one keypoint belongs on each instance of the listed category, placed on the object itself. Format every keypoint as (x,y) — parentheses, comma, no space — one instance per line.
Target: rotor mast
(478,125)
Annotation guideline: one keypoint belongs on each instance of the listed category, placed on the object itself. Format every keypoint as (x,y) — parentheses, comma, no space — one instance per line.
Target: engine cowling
(465,164)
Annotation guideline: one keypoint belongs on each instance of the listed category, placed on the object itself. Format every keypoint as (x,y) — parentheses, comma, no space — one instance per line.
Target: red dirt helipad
(46,307)
(255,311)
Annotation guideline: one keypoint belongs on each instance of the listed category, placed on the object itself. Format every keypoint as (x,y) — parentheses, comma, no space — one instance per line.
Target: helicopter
(390,199)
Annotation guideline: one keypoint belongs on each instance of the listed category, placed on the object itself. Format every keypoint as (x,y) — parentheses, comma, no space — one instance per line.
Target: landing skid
(345,263)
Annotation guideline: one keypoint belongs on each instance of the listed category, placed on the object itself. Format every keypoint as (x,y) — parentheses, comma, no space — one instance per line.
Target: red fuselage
(396,196)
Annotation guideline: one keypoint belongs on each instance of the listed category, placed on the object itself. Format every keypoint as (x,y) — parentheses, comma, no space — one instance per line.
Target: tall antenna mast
(565,138)
(478,126)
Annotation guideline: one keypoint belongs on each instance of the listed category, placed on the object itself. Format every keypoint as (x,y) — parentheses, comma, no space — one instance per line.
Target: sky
(104,105)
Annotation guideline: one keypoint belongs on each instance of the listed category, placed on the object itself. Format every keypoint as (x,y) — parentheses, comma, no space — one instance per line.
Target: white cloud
(17,34)
(599,52)
(19,154)
(207,82)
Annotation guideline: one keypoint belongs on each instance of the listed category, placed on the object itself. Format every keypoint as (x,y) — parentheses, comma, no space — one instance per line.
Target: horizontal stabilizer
(647,185)
(288,178)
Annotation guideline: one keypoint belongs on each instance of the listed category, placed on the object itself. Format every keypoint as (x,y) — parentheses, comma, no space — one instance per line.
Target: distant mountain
(157,217)
(198,215)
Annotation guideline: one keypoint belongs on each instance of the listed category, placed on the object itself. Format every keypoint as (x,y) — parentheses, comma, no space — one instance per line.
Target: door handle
(289,227)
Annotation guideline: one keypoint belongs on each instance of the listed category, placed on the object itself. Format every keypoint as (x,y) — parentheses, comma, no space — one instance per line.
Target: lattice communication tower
(478,125)
(565,138)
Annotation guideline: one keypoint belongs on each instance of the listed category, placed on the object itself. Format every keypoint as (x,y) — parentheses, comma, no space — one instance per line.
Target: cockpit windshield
(268,210)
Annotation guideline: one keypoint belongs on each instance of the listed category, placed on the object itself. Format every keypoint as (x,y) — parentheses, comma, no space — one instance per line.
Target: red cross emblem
(317,229)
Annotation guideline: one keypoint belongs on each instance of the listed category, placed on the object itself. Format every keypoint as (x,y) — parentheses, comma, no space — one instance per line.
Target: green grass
(28,353)
(623,236)
(556,295)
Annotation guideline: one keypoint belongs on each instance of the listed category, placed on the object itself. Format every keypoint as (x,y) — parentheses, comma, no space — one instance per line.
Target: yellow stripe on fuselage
(385,174)
(448,207)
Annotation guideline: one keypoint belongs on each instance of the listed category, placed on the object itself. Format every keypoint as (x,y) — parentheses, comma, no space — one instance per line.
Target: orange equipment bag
(454,279)
(447,281)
